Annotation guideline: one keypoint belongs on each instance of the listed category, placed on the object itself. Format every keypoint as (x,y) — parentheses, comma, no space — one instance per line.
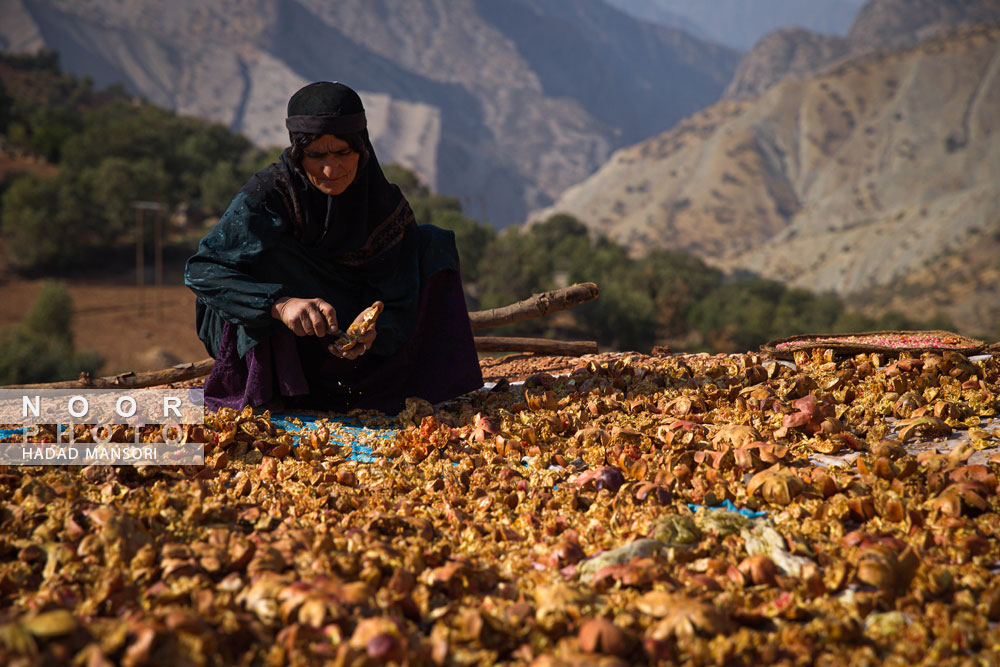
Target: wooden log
(535,306)
(536,345)
(177,373)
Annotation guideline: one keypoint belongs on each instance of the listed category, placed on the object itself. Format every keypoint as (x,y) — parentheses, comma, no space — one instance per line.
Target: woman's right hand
(306,317)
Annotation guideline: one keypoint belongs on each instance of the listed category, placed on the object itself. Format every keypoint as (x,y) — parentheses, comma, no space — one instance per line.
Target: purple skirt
(437,363)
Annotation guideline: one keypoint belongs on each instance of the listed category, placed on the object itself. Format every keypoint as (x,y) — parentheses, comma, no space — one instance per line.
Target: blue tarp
(349,433)
(729,507)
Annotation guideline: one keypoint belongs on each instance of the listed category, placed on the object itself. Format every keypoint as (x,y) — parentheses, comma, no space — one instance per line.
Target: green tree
(516,268)
(677,282)
(407,181)
(51,128)
(218,187)
(33,228)
(738,315)
(108,190)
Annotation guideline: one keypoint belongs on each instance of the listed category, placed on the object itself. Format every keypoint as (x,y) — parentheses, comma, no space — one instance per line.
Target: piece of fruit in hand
(362,324)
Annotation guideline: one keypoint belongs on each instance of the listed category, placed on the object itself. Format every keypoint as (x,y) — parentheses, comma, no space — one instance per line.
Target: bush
(40,348)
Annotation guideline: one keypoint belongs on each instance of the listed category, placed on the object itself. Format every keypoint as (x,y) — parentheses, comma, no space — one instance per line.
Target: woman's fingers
(303,325)
(307,317)
(317,322)
(363,344)
(329,316)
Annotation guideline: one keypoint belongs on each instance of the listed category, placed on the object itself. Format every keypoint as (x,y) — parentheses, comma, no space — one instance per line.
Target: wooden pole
(177,373)
(535,345)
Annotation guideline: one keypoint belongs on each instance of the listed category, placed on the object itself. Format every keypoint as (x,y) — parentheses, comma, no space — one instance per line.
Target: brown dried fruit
(760,570)
(599,635)
(689,616)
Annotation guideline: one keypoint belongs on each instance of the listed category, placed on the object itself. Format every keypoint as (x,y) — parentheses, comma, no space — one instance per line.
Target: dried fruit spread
(571,520)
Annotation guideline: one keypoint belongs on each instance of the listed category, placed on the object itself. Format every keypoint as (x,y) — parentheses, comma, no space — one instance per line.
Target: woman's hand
(360,335)
(306,317)
(360,347)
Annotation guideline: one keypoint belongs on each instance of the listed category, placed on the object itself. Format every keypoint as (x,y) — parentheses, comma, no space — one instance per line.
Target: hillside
(741,23)
(846,181)
(501,103)
(789,52)
(878,26)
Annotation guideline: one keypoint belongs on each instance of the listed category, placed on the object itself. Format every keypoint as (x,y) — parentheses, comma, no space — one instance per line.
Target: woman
(307,245)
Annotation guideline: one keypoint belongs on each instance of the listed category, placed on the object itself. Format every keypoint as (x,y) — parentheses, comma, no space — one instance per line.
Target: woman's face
(330,164)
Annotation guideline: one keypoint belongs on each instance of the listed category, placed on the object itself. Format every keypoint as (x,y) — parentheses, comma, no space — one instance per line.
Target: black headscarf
(365,226)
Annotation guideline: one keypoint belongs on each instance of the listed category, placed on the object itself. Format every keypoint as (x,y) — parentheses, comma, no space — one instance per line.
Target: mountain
(865,176)
(504,103)
(792,52)
(897,23)
(739,24)
(879,25)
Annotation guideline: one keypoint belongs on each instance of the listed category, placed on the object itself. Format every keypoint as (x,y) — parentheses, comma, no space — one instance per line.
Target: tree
(218,187)
(738,315)
(51,128)
(108,190)
(407,181)
(32,225)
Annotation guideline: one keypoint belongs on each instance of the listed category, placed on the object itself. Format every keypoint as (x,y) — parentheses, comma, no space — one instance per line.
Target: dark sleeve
(222,272)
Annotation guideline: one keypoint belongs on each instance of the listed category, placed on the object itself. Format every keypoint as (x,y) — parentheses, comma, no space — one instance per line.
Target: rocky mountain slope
(873,173)
(789,52)
(879,25)
(504,103)
(741,23)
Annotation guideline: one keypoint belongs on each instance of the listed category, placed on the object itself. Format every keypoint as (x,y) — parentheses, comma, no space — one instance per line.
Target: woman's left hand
(363,344)
(360,335)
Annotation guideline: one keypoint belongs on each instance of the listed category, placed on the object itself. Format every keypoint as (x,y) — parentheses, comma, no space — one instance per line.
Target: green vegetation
(109,151)
(40,347)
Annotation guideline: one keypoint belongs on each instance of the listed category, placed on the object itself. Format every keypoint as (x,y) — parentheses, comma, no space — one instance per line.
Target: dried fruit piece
(362,325)
(684,617)
(599,635)
(776,485)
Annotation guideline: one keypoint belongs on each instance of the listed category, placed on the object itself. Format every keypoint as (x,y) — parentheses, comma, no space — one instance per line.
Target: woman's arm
(223,275)
(222,271)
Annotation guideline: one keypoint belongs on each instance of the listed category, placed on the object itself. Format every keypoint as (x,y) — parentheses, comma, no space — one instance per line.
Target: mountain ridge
(879,26)
(453,94)
(848,180)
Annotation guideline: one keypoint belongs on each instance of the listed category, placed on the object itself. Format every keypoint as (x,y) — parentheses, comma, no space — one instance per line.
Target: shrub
(40,348)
